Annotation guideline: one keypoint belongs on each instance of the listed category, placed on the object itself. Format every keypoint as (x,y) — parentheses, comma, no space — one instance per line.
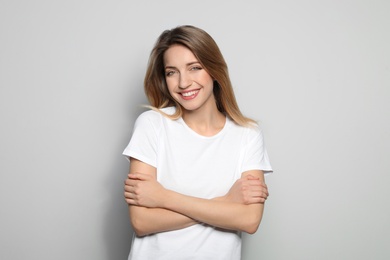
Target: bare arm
(222,212)
(153,220)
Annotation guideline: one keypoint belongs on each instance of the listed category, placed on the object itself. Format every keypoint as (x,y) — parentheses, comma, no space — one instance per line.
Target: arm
(153,220)
(220,212)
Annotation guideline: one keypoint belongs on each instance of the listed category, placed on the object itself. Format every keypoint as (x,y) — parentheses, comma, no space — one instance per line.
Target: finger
(133,176)
(258,188)
(259,194)
(256,200)
(128,195)
(256,182)
(251,177)
(131,199)
(259,199)
(264,195)
(131,182)
(266,189)
(139,176)
(129,188)
(131,202)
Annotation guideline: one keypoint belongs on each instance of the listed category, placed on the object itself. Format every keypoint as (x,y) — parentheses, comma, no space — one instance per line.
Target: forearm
(147,221)
(223,212)
(216,212)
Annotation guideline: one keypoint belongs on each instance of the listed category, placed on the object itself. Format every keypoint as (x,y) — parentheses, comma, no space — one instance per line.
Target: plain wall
(314,73)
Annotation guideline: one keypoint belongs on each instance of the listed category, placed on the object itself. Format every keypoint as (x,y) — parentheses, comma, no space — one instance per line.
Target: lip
(196,91)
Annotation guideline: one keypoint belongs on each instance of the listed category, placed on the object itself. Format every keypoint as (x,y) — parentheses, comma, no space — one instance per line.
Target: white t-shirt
(199,166)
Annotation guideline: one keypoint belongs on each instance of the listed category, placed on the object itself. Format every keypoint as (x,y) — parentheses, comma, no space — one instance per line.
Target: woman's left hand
(248,190)
(143,190)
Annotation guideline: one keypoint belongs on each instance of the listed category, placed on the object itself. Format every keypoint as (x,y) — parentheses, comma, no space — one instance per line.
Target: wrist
(166,199)
(221,198)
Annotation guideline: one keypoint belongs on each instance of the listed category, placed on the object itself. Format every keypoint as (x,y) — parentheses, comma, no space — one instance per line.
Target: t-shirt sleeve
(143,142)
(256,156)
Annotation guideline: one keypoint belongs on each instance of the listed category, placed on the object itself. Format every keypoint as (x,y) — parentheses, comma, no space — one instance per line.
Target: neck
(207,122)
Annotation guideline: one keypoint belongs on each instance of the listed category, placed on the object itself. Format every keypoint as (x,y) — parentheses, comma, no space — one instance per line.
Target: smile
(189,95)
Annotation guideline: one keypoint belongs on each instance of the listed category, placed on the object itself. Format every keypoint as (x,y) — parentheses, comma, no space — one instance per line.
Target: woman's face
(188,82)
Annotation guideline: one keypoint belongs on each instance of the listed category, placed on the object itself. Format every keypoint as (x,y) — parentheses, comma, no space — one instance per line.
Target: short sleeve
(143,142)
(255,153)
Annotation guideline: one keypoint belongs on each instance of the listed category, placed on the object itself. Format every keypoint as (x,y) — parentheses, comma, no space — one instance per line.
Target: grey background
(314,73)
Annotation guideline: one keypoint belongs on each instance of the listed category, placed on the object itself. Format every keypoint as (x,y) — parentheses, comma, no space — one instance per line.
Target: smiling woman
(197,164)
(188,83)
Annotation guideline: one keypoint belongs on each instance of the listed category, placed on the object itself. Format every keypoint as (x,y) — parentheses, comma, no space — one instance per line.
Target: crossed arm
(154,209)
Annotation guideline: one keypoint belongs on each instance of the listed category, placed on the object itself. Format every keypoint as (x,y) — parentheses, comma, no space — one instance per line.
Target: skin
(153,208)
(185,74)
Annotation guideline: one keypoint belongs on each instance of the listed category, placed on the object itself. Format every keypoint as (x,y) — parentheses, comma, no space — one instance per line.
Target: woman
(197,164)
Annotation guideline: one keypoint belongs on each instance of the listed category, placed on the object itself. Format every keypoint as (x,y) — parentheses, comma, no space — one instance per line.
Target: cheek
(205,78)
(207,81)
(170,84)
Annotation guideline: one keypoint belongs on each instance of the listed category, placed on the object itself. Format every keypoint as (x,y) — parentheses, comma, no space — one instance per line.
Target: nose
(185,81)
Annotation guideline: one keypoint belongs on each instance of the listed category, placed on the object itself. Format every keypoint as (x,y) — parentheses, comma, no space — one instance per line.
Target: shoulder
(154,117)
(255,135)
(249,134)
(254,129)
(251,130)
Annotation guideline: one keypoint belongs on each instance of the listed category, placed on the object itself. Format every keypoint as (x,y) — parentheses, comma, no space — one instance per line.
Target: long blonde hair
(208,54)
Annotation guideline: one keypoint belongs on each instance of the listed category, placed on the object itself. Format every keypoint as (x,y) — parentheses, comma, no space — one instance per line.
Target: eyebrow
(188,64)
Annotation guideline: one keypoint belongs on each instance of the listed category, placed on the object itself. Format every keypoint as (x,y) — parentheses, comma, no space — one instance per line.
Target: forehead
(177,55)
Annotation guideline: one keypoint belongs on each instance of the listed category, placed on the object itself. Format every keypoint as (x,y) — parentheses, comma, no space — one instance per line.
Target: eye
(196,68)
(169,73)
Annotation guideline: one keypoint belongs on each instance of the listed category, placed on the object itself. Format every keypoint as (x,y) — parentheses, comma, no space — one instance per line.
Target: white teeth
(187,94)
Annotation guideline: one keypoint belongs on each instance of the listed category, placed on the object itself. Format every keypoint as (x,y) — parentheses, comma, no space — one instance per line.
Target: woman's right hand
(248,190)
(143,190)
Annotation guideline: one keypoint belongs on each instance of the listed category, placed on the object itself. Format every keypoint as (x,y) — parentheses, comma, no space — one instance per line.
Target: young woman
(197,164)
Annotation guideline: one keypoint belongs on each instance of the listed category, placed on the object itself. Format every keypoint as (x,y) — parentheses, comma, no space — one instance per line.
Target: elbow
(252,224)
(138,223)
(138,227)
(251,228)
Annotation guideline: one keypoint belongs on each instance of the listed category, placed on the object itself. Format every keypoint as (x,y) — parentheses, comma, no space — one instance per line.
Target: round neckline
(193,132)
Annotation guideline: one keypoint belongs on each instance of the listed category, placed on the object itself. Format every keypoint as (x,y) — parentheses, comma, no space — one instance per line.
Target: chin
(189,108)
